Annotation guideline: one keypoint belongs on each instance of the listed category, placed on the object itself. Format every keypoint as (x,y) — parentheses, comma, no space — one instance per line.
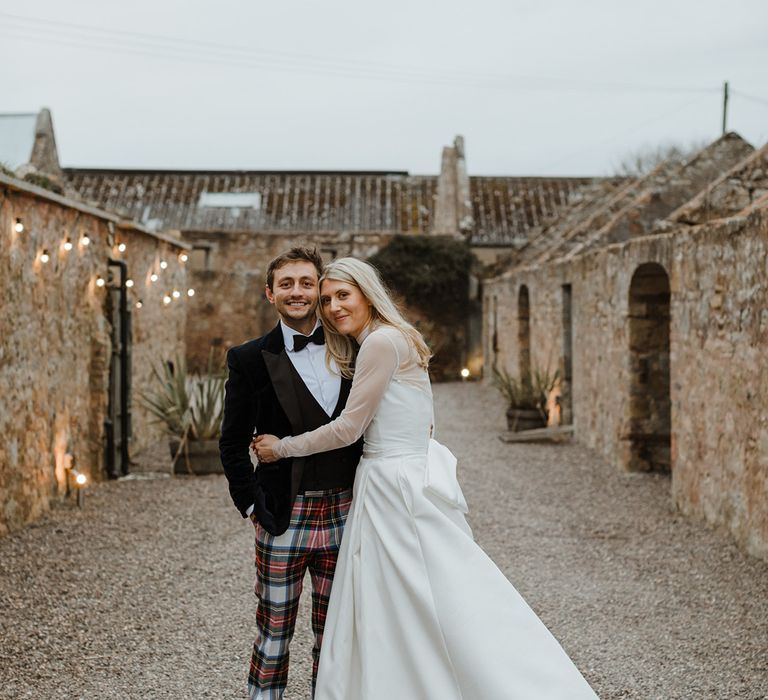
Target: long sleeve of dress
(376,364)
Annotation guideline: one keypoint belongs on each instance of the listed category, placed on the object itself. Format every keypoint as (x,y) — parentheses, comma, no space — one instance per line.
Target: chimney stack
(453,210)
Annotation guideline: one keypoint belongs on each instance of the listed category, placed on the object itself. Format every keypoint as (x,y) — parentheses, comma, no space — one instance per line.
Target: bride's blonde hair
(365,276)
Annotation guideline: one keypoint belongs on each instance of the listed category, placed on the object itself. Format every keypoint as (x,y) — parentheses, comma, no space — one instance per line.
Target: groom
(280,384)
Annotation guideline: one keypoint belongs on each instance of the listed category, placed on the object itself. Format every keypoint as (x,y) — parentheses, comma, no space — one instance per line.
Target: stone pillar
(453,209)
(45,157)
(463,196)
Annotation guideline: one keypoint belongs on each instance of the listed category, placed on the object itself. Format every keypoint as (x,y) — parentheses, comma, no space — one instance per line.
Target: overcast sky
(543,87)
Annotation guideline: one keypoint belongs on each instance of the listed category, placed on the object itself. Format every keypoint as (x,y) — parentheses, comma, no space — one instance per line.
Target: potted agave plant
(526,397)
(191,408)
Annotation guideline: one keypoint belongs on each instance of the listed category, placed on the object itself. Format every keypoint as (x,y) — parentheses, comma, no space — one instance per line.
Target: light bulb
(464,373)
(122,247)
(176,293)
(129,283)
(85,240)
(18,226)
(183,257)
(81,479)
(163,264)
(44,257)
(166,299)
(139,304)
(190,292)
(153,277)
(68,244)
(100,281)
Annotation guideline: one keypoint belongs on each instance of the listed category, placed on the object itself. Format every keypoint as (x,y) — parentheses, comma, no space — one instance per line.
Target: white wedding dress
(417,610)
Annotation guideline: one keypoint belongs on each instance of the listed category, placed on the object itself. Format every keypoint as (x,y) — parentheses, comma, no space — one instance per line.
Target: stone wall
(55,345)
(718,378)
(229,306)
(159,329)
(720,374)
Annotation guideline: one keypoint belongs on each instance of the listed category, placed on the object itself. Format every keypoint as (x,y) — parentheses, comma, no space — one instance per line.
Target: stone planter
(519,419)
(203,457)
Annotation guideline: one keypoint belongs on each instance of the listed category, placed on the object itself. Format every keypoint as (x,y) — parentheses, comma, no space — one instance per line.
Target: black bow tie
(301,341)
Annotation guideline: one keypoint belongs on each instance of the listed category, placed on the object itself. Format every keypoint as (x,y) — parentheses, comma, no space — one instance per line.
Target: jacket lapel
(279,370)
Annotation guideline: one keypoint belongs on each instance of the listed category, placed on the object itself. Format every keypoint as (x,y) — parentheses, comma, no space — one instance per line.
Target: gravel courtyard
(147,591)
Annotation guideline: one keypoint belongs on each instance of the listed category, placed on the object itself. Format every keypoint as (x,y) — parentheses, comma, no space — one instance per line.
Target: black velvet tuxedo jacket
(259,394)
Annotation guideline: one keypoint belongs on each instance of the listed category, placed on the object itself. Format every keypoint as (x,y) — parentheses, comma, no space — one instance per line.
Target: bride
(417,610)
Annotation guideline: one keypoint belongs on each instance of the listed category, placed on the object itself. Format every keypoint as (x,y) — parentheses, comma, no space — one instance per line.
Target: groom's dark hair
(292,255)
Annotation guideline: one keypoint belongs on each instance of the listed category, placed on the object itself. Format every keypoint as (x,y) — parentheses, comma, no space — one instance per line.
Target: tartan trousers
(311,542)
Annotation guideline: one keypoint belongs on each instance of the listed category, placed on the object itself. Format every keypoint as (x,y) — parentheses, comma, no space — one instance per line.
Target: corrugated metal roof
(507,209)
(504,209)
(311,201)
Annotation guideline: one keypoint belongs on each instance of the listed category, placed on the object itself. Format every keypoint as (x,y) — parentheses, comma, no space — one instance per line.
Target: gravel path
(147,592)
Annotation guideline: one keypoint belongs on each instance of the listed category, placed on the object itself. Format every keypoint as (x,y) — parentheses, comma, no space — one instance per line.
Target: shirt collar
(288,334)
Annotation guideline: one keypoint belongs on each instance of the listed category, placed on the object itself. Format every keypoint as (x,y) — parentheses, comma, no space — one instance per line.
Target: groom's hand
(263,448)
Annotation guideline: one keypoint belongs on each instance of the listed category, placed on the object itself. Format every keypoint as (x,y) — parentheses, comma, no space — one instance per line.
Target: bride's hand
(262,445)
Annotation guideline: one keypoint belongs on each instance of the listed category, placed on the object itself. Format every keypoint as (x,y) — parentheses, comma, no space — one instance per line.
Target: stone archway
(648,446)
(524,333)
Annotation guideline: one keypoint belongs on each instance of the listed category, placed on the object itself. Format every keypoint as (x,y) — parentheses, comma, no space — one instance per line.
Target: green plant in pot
(191,408)
(526,397)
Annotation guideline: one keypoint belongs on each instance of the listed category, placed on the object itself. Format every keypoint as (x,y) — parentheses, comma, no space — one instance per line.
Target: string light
(68,244)
(129,283)
(183,257)
(85,240)
(465,373)
(190,292)
(78,477)
(80,481)
(166,299)
(153,277)
(139,304)
(44,257)
(18,226)
(176,293)
(100,281)
(163,264)
(122,247)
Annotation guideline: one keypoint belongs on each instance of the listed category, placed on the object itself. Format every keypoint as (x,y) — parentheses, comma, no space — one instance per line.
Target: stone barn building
(82,323)
(651,298)
(81,331)
(237,221)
